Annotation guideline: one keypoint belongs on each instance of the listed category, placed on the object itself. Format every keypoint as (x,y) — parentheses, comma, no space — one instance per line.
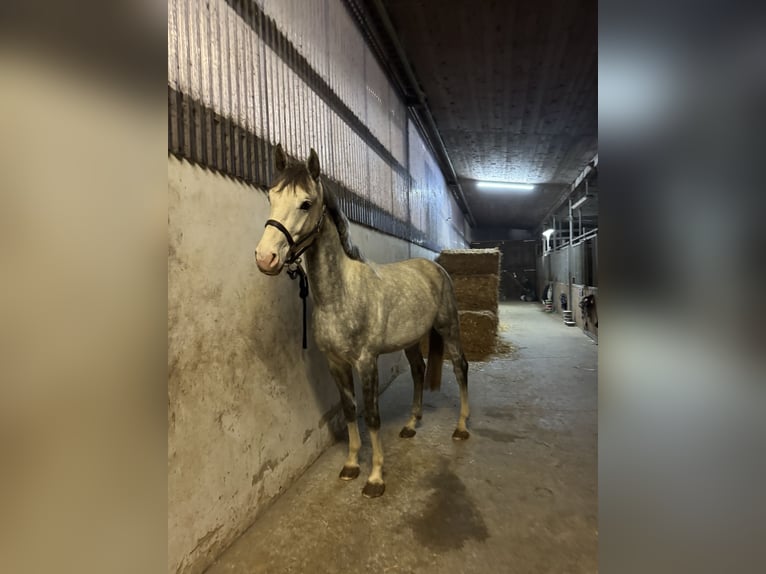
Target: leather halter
(293,262)
(297,248)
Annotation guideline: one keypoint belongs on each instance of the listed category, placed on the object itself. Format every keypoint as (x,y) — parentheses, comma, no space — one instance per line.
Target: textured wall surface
(244,76)
(583,264)
(248,409)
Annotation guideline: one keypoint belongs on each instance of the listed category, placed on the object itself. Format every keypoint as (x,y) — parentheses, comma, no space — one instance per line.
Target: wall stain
(172,366)
(270,464)
(204,547)
(450,517)
(202,541)
(212,293)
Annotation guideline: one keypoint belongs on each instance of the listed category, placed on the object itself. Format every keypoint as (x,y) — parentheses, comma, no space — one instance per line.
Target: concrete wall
(248,409)
(584,264)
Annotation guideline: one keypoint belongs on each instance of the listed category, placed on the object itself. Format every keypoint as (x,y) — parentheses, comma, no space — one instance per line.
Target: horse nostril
(266,260)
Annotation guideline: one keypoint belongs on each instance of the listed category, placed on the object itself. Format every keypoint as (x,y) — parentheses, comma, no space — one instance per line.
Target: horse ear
(280,159)
(313,164)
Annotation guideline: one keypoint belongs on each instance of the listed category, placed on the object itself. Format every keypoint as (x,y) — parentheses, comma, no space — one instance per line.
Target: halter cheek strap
(297,249)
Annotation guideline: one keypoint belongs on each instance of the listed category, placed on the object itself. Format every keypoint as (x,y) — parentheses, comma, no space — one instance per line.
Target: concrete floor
(518,496)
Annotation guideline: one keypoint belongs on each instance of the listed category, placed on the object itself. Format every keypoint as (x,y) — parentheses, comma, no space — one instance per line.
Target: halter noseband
(297,249)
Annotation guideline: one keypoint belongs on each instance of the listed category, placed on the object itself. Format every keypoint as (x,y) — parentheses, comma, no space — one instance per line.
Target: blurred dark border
(681,394)
(682,87)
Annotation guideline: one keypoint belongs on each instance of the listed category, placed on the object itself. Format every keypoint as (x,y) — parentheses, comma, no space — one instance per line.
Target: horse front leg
(418,369)
(344,379)
(368,372)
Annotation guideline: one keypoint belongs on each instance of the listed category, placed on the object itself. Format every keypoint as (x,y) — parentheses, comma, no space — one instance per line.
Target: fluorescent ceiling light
(508,186)
(579,202)
(548,232)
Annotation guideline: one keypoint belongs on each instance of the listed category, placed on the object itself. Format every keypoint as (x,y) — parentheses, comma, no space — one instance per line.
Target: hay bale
(476,292)
(478,332)
(470,261)
(478,335)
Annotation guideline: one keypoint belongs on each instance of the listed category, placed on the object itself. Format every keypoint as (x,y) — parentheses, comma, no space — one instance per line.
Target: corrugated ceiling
(512,86)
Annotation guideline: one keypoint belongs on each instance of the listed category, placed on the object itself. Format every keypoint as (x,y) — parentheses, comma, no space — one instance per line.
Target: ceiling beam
(586,171)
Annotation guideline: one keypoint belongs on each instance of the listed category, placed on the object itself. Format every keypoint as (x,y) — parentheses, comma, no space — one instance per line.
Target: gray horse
(361,309)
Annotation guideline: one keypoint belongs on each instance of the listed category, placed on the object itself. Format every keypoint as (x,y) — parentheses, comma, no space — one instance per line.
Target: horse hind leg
(418,369)
(344,380)
(460,366)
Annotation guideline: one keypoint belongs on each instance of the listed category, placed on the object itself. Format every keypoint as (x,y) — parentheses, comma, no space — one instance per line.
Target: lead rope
(296,270)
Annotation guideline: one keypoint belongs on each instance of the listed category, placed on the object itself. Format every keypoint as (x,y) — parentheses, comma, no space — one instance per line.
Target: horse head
(296,216)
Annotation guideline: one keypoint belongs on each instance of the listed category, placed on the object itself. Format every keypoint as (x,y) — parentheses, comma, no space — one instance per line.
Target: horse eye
(305,206)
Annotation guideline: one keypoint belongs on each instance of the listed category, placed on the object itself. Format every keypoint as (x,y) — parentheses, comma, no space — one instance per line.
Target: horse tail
(435,358)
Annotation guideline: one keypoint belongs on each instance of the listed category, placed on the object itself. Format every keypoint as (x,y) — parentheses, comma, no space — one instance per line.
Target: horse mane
(298,175)
(341,222)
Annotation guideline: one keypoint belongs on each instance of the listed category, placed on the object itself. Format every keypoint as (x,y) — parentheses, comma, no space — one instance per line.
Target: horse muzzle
(268,263)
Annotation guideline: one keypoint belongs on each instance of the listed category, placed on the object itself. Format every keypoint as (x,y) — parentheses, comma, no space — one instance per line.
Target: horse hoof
(460,435)
(349,472)
(374,489)
(407,432)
